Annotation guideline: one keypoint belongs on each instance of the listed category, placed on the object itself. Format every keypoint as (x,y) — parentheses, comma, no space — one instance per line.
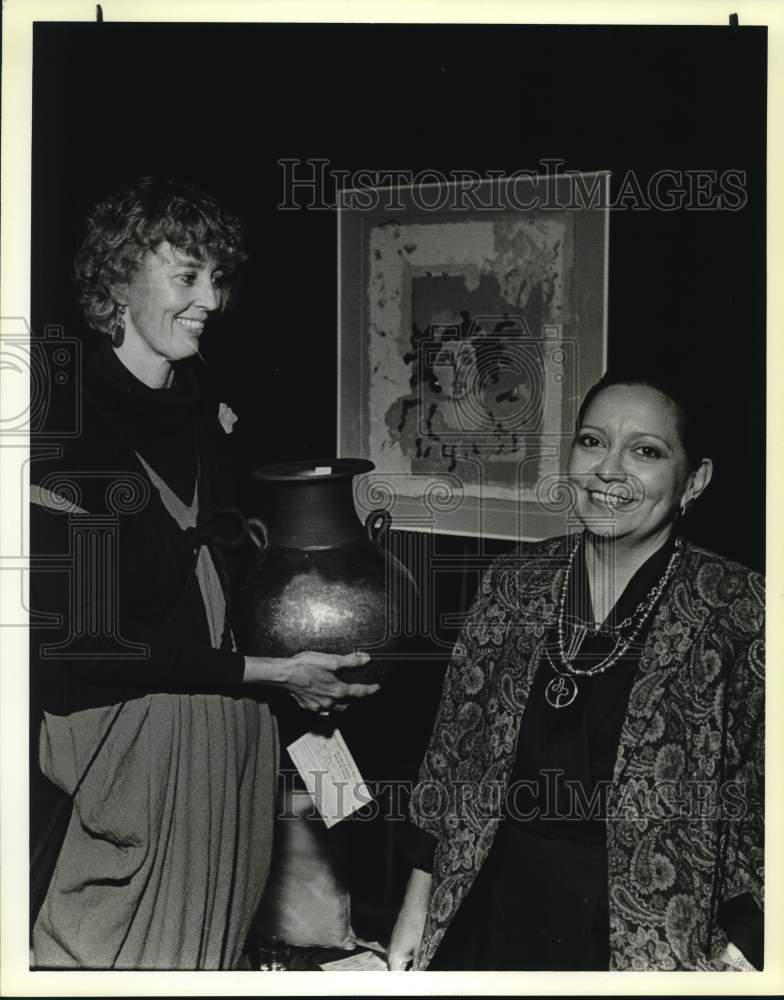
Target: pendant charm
(561,691)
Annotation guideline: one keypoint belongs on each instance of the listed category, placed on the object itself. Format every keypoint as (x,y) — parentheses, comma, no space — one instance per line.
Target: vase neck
(315,514)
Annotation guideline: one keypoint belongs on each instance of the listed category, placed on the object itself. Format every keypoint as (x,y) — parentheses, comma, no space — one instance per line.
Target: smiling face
(628,466)
(168,301)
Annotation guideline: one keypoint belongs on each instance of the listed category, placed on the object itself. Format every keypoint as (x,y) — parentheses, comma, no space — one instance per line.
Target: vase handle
(377,524)
(259,534)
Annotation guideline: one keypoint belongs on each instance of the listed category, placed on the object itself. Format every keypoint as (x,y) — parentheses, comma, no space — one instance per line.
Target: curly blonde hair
(124,226)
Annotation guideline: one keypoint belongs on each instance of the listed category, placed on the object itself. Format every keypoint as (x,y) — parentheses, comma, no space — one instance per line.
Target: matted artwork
(467,337)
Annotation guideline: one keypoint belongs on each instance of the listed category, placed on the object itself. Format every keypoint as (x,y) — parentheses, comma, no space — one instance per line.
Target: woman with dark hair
(592,794)
(151,720)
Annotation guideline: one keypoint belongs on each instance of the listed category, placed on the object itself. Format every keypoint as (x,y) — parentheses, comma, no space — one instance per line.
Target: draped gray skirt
(168,848)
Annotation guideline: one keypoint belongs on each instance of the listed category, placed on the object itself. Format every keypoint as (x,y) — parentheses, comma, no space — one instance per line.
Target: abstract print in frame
(468,333)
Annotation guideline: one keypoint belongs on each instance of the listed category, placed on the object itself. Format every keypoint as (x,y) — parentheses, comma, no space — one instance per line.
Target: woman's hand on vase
(410,924)
(309,677)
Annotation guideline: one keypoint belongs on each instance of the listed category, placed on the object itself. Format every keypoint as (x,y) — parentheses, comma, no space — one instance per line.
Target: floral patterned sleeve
(479,637)
(742,887)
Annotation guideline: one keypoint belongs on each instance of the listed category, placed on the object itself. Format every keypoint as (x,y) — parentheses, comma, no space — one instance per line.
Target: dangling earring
(118,330)
(684,505)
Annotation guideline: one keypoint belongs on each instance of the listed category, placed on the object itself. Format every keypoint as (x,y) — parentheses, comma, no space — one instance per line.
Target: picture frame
(471,322)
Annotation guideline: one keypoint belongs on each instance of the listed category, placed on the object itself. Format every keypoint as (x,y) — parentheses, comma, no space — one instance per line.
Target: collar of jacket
(523,589)
(532,581)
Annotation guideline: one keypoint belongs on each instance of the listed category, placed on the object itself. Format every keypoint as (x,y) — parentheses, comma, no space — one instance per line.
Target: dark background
(220,104)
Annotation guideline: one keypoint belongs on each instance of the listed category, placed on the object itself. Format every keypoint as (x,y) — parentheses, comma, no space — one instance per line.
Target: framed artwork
(469,330)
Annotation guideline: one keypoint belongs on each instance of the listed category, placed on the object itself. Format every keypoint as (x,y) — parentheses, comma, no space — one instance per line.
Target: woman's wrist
(418,890)
(264,670)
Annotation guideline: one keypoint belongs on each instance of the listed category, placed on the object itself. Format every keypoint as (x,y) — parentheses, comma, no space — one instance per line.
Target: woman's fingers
(316,671)
(310,678)
(341,691)
(400,959)
(335,698)
(326,685)
(355,659)
(333,661)
(360,690)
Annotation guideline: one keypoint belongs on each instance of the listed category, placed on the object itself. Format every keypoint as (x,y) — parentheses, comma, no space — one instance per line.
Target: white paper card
(363,961)
(330,774)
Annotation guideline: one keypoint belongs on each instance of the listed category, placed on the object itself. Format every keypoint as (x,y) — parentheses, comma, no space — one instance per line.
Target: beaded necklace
(562,689)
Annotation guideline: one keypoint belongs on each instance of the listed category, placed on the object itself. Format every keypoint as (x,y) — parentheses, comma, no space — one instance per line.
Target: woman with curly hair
(151,720)
(591,798)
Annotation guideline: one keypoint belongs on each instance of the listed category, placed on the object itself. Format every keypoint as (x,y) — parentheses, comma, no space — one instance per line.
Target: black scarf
(159,424)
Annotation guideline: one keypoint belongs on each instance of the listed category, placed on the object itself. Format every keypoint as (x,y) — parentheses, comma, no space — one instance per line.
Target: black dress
(540,901)
(169,842)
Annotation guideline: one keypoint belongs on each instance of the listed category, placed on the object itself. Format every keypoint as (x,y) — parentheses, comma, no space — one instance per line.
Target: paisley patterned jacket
(685,817)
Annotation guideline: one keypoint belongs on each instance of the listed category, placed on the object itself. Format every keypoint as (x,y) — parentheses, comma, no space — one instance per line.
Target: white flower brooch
(227,417)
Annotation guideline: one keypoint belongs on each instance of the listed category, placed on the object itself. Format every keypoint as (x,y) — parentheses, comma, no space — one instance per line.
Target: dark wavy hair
(124,226)
(691,418)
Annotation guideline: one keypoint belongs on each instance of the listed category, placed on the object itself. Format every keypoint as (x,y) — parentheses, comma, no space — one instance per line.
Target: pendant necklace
(562,689)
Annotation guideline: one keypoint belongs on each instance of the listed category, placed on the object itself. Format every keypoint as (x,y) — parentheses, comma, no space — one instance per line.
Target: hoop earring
(118,330)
